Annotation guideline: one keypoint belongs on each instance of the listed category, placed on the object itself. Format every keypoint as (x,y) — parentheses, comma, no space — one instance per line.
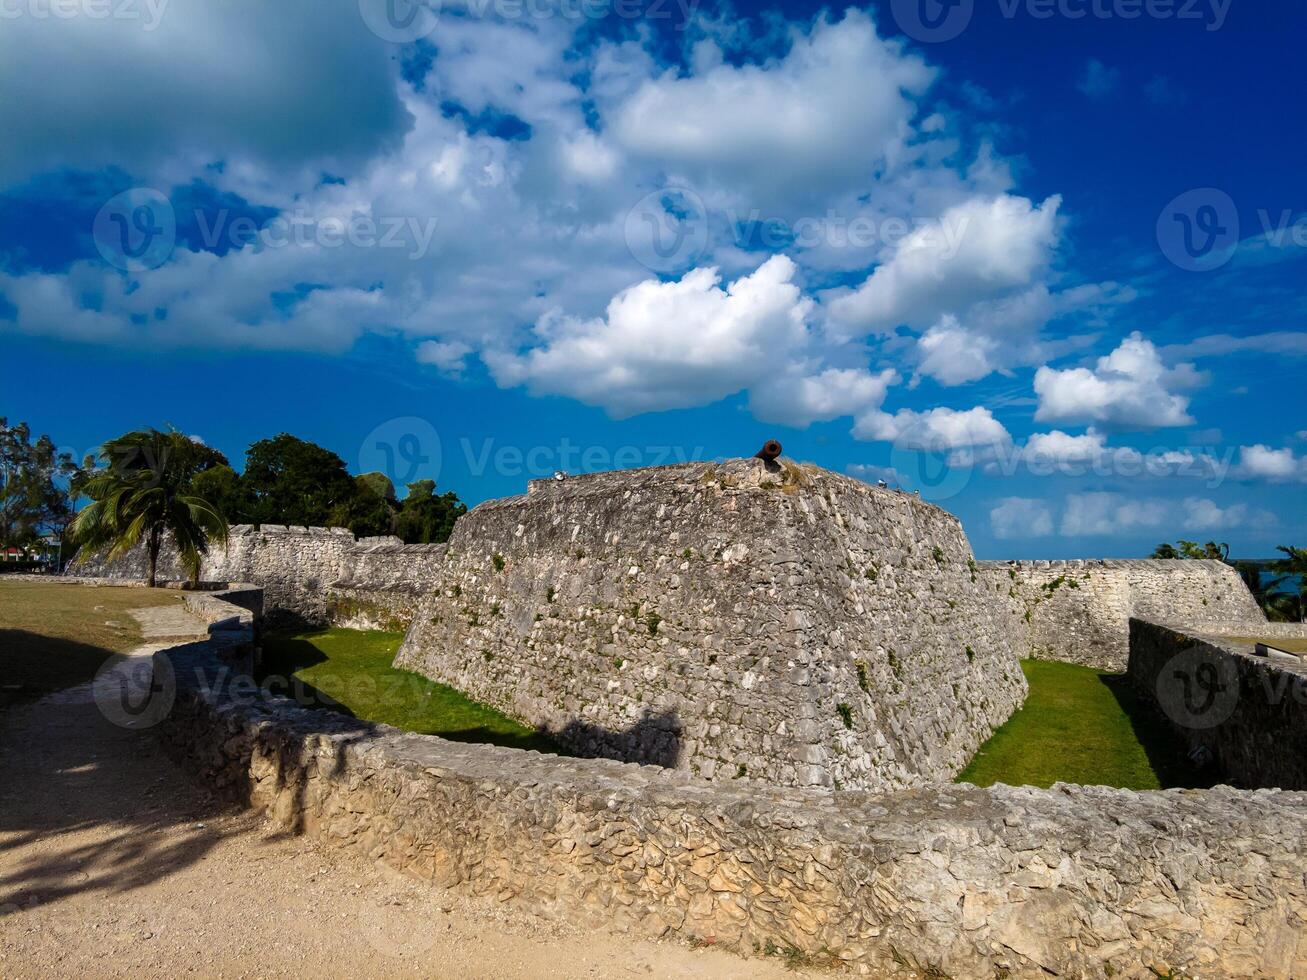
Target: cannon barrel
(770,451)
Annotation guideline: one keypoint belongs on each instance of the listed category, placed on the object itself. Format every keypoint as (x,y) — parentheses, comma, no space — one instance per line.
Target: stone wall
(951,881)
(1079,611)
(1246,714)
(312,574)
(741,621)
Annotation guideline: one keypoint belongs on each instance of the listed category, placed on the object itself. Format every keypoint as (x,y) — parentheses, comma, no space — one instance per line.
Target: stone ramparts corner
(1243,713)
(948,880)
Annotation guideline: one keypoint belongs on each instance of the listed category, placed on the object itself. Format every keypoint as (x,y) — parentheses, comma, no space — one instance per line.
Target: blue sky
(1042,260)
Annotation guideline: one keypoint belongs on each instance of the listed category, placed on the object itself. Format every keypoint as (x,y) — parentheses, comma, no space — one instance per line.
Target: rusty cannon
(770,451)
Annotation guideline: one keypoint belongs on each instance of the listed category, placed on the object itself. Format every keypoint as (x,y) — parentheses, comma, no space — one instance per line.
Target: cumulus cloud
(1020,517)
(449,357)
(667,345)
(1110,513)
(954,355)
(1261,462)
(800,400)
(936,429)
(1100,514)
(1058,446)
(836,106)
(1128,388)
(197,86)
(1060,453)
(975,251)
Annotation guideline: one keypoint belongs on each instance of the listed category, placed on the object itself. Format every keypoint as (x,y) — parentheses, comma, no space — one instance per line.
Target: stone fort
(807,661)
(743,620)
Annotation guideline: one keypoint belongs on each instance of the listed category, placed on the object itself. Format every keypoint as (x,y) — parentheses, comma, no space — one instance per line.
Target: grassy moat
(1080,725)
(350,671)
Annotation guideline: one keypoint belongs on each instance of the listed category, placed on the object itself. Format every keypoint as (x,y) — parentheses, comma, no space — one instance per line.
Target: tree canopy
(291,481)
(1193,550)
(33,499)
(144,490)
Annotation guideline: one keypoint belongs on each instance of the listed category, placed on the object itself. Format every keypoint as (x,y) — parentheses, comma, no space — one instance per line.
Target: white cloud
(1206,515)
(975,251)
(198,86)
(1128,388)
(665,345)
(836,392)
(954,355)
(935,429)
(826,115)
(1110,513)
(1261,462)
(1059,447)
(1100,514)
(1284,342)
(1020,517)
(449,357)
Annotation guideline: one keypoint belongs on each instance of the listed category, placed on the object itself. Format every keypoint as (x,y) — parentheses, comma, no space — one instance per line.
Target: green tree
(1192,549)
(1293,564)
(424,517)
(379,484)
(291,481)
(143,491)
(222,486)
(371,510)
(32,500)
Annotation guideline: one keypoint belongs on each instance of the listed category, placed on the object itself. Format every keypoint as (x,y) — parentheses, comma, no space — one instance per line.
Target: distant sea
(1288,583)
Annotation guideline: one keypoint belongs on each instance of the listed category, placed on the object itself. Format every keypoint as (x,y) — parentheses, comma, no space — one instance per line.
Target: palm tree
(144,492)
(1192,549)
(1295,563)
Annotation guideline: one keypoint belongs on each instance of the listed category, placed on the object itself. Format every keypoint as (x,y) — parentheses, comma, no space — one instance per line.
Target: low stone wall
(310,574)
(1079,611)
(1247,714)
(951,881)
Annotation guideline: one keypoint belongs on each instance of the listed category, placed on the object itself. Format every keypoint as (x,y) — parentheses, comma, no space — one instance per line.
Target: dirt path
(113,862)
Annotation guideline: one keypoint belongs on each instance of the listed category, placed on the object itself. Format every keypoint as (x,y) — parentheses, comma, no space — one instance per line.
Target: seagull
(560,476)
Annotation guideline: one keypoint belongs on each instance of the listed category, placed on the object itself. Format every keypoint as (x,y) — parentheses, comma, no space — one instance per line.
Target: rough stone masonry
(949,881)
(742,620)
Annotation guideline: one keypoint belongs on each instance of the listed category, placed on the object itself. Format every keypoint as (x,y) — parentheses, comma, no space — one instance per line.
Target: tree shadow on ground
(86,804)
(32,666)
(1166,751)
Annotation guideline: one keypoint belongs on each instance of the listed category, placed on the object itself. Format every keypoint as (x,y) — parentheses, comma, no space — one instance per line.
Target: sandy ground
(113,862)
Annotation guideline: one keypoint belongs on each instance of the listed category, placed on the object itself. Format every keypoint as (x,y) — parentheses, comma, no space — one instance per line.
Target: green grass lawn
(54,635)
(350,671)
(1079,725)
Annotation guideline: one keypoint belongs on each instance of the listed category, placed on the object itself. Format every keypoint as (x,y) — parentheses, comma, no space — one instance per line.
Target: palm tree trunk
(153,546)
